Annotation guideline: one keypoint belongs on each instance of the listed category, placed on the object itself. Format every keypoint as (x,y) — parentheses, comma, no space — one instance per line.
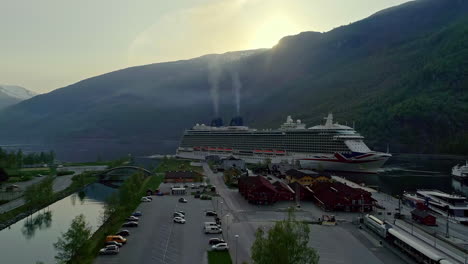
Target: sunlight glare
(271,31)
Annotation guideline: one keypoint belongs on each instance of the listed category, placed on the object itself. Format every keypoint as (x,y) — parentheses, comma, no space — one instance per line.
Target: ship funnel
(237,121)
(217,122)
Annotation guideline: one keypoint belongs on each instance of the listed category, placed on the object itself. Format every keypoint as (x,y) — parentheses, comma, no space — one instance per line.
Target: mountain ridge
(390,73)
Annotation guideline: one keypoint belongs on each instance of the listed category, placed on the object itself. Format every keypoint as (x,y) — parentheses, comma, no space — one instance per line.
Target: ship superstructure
(460,172)
(330,146)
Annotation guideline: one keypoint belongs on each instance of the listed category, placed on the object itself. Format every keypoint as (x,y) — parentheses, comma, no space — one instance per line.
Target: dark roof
(231,158)
(180,174)
(421,213)
(301,173)
(333,192)
(254,182)
(283,186)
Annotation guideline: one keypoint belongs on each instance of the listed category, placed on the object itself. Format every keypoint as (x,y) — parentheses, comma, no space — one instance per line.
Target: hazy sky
(48,44)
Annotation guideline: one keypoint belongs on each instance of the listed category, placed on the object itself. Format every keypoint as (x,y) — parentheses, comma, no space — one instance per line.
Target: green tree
(68,245)
(285,243)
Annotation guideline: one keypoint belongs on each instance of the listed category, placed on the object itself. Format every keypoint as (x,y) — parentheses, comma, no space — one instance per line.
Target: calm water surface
(32,238)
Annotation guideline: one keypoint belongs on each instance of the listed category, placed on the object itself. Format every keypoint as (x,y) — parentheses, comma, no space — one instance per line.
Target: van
(213,230)
(119,239)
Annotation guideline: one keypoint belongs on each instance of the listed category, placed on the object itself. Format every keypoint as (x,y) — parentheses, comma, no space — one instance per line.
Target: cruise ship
(331,146)
(460,172)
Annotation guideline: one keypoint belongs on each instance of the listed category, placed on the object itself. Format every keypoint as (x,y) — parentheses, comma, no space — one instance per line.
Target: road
(159,240)
(60,183)
(344,243)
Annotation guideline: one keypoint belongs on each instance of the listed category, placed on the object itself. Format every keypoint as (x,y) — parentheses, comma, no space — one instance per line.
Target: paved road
(340,244)
(159,240)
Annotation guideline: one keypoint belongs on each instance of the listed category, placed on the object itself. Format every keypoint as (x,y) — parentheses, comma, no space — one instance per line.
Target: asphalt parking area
(159,240)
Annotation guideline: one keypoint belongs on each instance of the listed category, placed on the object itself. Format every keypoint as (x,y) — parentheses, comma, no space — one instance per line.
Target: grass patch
(219,257)
(20,175)
(172,164)
(109,163)
(90,250)
(78,182)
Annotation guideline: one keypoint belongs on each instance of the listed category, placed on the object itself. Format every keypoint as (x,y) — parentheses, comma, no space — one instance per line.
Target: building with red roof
(258,190)
(335,196)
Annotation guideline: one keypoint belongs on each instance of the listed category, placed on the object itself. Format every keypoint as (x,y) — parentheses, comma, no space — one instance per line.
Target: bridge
(111,176)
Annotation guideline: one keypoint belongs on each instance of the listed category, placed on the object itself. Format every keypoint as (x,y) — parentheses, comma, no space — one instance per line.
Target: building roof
(337,192)
(231,158)
(180,174)
(255,182)
(282,185)
(301,173)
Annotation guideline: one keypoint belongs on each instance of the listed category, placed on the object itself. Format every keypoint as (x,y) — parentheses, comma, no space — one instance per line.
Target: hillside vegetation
(401,75)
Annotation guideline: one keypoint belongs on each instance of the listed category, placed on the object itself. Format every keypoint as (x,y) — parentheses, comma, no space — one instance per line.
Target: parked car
(109,250)
(212,224)
(130,224)
(193,186)
(211,213)
(12,187)
(181,212)
(177,214)
(220,247)
(137,213)
(213,230)
(119,239)
(159,194)
(132,218)
(144,199)
(179,220)
(123,233)
(182,200)
(149,197)
(215,241)
(114,243)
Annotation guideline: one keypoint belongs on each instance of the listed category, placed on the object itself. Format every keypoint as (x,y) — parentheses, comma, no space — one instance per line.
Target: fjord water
(32,238)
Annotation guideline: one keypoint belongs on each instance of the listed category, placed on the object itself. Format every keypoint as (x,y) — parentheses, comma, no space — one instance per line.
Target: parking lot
(159,240)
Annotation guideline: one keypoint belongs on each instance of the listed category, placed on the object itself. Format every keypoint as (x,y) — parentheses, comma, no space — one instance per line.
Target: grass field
(26,174)
(219,257)
(177,165)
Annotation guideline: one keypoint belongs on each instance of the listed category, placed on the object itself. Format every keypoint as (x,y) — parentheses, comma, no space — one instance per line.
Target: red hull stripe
(345,161)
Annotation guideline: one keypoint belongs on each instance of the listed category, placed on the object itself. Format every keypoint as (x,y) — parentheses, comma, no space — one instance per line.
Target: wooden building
(285,193)
(258,190)
(181,176)
(305,177)
(335,196)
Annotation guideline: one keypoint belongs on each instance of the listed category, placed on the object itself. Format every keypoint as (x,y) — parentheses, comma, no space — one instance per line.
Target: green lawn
(18,175)
(219,257)
(176,165)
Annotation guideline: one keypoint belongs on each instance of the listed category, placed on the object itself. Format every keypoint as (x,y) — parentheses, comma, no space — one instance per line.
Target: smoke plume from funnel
(214,74)
(236,88)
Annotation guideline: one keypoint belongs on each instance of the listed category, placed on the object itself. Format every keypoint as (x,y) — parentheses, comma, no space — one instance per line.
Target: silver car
(109,250)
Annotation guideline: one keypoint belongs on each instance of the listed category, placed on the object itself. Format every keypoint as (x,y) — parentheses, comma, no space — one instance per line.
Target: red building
(304,192)
(285,193)
(423,217)
(258,190)
(335,196)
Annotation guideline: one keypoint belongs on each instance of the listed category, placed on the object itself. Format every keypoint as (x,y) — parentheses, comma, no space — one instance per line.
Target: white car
(145,199)
(109,250)
(179,220)
(220,247)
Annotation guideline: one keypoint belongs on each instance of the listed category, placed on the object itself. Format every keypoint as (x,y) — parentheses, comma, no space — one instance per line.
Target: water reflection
(40,221)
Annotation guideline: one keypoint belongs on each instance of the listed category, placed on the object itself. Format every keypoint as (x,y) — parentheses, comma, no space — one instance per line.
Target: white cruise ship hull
(360,163)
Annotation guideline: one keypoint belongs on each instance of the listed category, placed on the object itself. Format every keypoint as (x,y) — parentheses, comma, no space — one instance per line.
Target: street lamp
(236,236)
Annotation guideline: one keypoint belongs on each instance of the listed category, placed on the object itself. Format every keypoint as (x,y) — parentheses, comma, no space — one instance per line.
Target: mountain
(401,75)
(12,94)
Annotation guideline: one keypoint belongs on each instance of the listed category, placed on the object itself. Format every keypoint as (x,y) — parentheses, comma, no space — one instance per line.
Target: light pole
(236,236)
(221,207)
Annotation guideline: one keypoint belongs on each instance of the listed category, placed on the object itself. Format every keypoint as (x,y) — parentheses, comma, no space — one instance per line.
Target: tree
(285,243)
(68,245)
